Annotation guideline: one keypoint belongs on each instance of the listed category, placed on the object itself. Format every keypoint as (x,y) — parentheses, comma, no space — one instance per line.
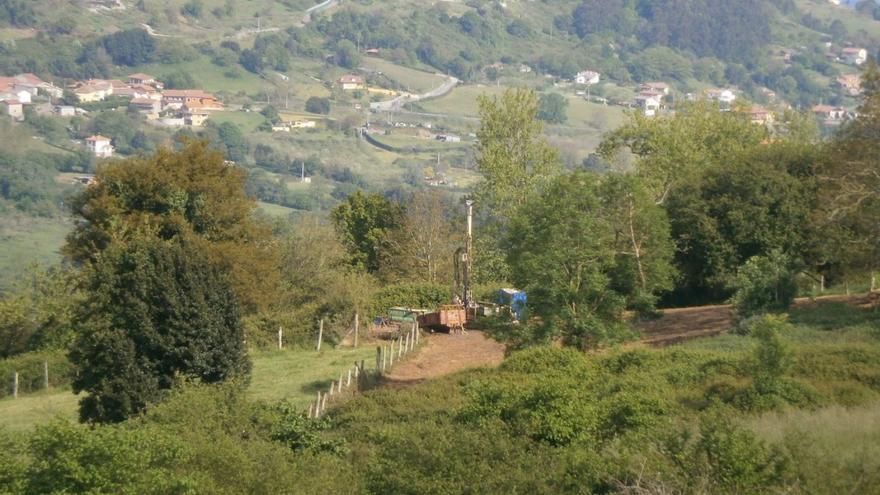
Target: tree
(674,150)
(512,155)
(130,47)
(423,247)
(193,8)
(552,108)
(347,55)
(157,311)
(764,284)
(850,178)
(234,141)
(271,114)
(189,193)
(365,222)
(560,248)
(179,80)
(643,246)
(316,104)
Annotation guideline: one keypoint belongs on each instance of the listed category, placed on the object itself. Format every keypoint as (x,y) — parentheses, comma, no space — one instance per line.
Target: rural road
(396,104)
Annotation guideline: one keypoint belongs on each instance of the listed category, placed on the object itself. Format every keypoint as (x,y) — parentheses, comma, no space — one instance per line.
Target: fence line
(352,378)
(17,381)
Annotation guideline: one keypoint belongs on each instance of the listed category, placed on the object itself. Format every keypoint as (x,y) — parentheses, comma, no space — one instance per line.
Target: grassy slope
(295,375)
(25,239)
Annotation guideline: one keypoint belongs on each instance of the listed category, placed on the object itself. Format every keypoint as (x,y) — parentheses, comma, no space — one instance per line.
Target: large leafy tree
(190,193)
(674,150)
(749,207)
(157,311)
(512,154)
(365,223)
(582,249)
(850,176)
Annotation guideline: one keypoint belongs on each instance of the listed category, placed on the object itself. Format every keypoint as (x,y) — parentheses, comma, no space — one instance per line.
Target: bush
(426,296)
(764,284)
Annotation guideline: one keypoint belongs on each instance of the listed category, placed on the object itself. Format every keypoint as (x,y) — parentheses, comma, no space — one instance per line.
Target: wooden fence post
(378,358)
(341,376)
(357,371)
(406,344)
(873,282)
(356,328)
(417,332)
(348,382)
(384,358)
(280,337)
(311,408)
(399,348)
(320,333)
(46,375)
(391,355)
(821,283)
(318,405)
(412,338)
(15,385)
(324,404)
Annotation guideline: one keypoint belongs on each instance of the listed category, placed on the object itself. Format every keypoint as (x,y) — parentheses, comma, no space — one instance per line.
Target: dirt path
(445,354)
(677,325)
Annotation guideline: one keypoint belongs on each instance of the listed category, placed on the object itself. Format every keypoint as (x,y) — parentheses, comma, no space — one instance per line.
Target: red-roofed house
(829,113)
(660,87)
(759,115)
(177,98)
(350,81)
(100,146)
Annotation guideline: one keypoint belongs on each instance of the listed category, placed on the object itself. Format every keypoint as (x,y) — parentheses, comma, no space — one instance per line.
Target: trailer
(450,317)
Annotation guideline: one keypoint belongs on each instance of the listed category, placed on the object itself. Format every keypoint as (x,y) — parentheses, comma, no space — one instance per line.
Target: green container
(405,315)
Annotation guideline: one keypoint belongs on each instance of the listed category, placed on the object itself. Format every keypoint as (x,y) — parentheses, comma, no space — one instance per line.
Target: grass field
(275,210)
(294,374)
(462,100)
(25,240)
(415,81)
(247,121)
(208,76)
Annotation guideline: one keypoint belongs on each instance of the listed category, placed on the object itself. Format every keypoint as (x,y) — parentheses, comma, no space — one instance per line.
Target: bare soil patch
(447,353)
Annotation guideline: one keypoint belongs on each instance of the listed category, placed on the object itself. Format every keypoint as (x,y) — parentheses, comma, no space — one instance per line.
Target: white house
(587,78)
(302,124)
(100,146)
(649,104)
(655,86)
(854,56)
(723,96)
(65,111)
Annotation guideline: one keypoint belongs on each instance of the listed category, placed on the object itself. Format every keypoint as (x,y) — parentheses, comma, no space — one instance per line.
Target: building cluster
(148,96)
(18,91)
(294,124)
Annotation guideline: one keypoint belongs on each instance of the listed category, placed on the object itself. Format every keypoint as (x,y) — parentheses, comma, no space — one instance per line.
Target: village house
(194,117)
(649,104)
(372,51)
(854,55)
(524,69)
(144,79)
(587,78)
(147,106)
(448,138)
(759,115)
(22,95)
(850,84)
(92,90)
(724,97)
(281,127)
(13,108)
(100,146)
(65,111)
(192,98)
(303,124)
(658,87)
(829,114)
(351,82)
(30,83)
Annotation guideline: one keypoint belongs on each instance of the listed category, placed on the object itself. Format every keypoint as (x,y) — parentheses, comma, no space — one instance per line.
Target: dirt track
(681,324)
(447,353)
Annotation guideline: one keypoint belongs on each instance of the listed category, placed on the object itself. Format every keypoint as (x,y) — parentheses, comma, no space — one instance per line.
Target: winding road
(396,104)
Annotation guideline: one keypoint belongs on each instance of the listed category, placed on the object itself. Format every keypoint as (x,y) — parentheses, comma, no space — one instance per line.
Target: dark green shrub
(764,284)
(421,296)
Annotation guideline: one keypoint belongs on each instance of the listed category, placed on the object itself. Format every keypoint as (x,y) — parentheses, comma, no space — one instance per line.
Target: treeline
(713,208)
